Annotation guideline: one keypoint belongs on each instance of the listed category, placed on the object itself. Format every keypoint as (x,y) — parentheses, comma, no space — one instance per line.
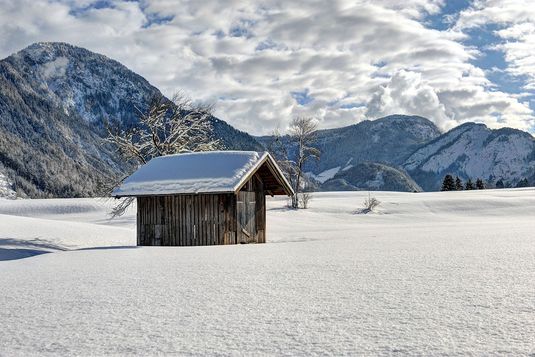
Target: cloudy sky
(263,62)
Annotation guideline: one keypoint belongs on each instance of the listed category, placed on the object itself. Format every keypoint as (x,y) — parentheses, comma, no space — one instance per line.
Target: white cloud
(516,22)
(407,93)
(356,59)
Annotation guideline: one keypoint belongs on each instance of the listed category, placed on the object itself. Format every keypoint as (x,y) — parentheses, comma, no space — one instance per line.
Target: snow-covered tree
(166,127)
(479,184)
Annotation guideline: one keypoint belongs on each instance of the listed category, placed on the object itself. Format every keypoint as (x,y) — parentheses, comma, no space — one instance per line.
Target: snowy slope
(429,274)
(6,187)
(324,175)
(371,176)
(474,151)
(29,227)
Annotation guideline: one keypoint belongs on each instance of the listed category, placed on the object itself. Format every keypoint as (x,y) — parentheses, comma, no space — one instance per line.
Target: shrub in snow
(304,198)
(370,204)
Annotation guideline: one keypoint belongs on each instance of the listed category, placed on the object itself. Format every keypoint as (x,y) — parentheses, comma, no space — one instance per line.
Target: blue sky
(340,61)
(485,39)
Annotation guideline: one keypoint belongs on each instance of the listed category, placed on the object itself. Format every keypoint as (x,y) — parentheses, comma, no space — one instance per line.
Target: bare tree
(166,127)
(304,199)
(300,137)
(370,204)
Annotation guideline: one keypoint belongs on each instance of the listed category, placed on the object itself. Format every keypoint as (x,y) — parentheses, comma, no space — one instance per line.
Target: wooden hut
(204,198)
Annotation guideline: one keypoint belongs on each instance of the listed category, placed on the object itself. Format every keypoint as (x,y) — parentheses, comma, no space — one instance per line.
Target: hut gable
(203,172)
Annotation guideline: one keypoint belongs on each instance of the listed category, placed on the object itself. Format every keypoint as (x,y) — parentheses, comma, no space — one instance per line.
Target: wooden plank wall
(251,212)
(187,220)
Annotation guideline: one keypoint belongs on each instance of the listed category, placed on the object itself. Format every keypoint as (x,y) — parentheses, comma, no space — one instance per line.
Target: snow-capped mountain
(373,177)
(474,151)
(387,140)
(377,147)
(54,99)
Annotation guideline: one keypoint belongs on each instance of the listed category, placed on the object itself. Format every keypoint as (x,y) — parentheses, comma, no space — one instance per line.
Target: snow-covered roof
(199,172)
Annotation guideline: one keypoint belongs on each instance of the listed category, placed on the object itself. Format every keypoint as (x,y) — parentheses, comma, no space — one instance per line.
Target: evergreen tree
(469,185)
(500,184)
(479,184)
(448,184)
(458,184)
(523,183)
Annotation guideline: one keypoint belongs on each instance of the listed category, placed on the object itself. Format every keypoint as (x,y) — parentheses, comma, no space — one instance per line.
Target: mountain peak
(42,52)
(404,117)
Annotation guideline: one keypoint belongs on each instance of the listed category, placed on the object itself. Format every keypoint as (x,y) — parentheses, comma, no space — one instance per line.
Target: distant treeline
(456,184)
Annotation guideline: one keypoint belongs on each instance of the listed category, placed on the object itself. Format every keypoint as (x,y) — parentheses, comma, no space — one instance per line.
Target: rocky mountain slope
(474,151)
(373,177)
(54,99)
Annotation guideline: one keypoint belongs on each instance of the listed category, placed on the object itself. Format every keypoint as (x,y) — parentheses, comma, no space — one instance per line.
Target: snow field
(428,274)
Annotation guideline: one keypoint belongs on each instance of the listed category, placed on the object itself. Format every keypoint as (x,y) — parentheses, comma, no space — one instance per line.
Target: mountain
(387,140)
(54,98)
(414,147)
(375,146)
(474,151)
(371,176)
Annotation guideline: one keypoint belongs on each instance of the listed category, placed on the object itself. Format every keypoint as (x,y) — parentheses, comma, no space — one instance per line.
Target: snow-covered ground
(429,274)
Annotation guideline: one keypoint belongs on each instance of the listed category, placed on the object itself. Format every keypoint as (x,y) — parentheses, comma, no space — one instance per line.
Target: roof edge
(266,157)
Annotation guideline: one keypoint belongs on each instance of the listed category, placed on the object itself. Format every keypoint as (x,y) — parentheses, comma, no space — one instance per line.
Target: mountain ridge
(398,141)
(472,150)
(54,98)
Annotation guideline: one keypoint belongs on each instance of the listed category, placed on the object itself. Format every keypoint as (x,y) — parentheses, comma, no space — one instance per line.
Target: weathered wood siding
(204,219)
(251,212)
(186,220)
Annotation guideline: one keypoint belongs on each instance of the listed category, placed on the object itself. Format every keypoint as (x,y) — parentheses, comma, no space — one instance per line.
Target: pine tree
(469,185)
(458,184)
(448,184)
(479,184)
(523,183)
(500,184)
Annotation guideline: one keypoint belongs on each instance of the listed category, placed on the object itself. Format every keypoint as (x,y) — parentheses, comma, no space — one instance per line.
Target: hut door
(246,217)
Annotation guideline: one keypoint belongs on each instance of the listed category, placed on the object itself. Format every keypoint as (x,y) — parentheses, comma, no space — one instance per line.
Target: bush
(370,204)
(304,198)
